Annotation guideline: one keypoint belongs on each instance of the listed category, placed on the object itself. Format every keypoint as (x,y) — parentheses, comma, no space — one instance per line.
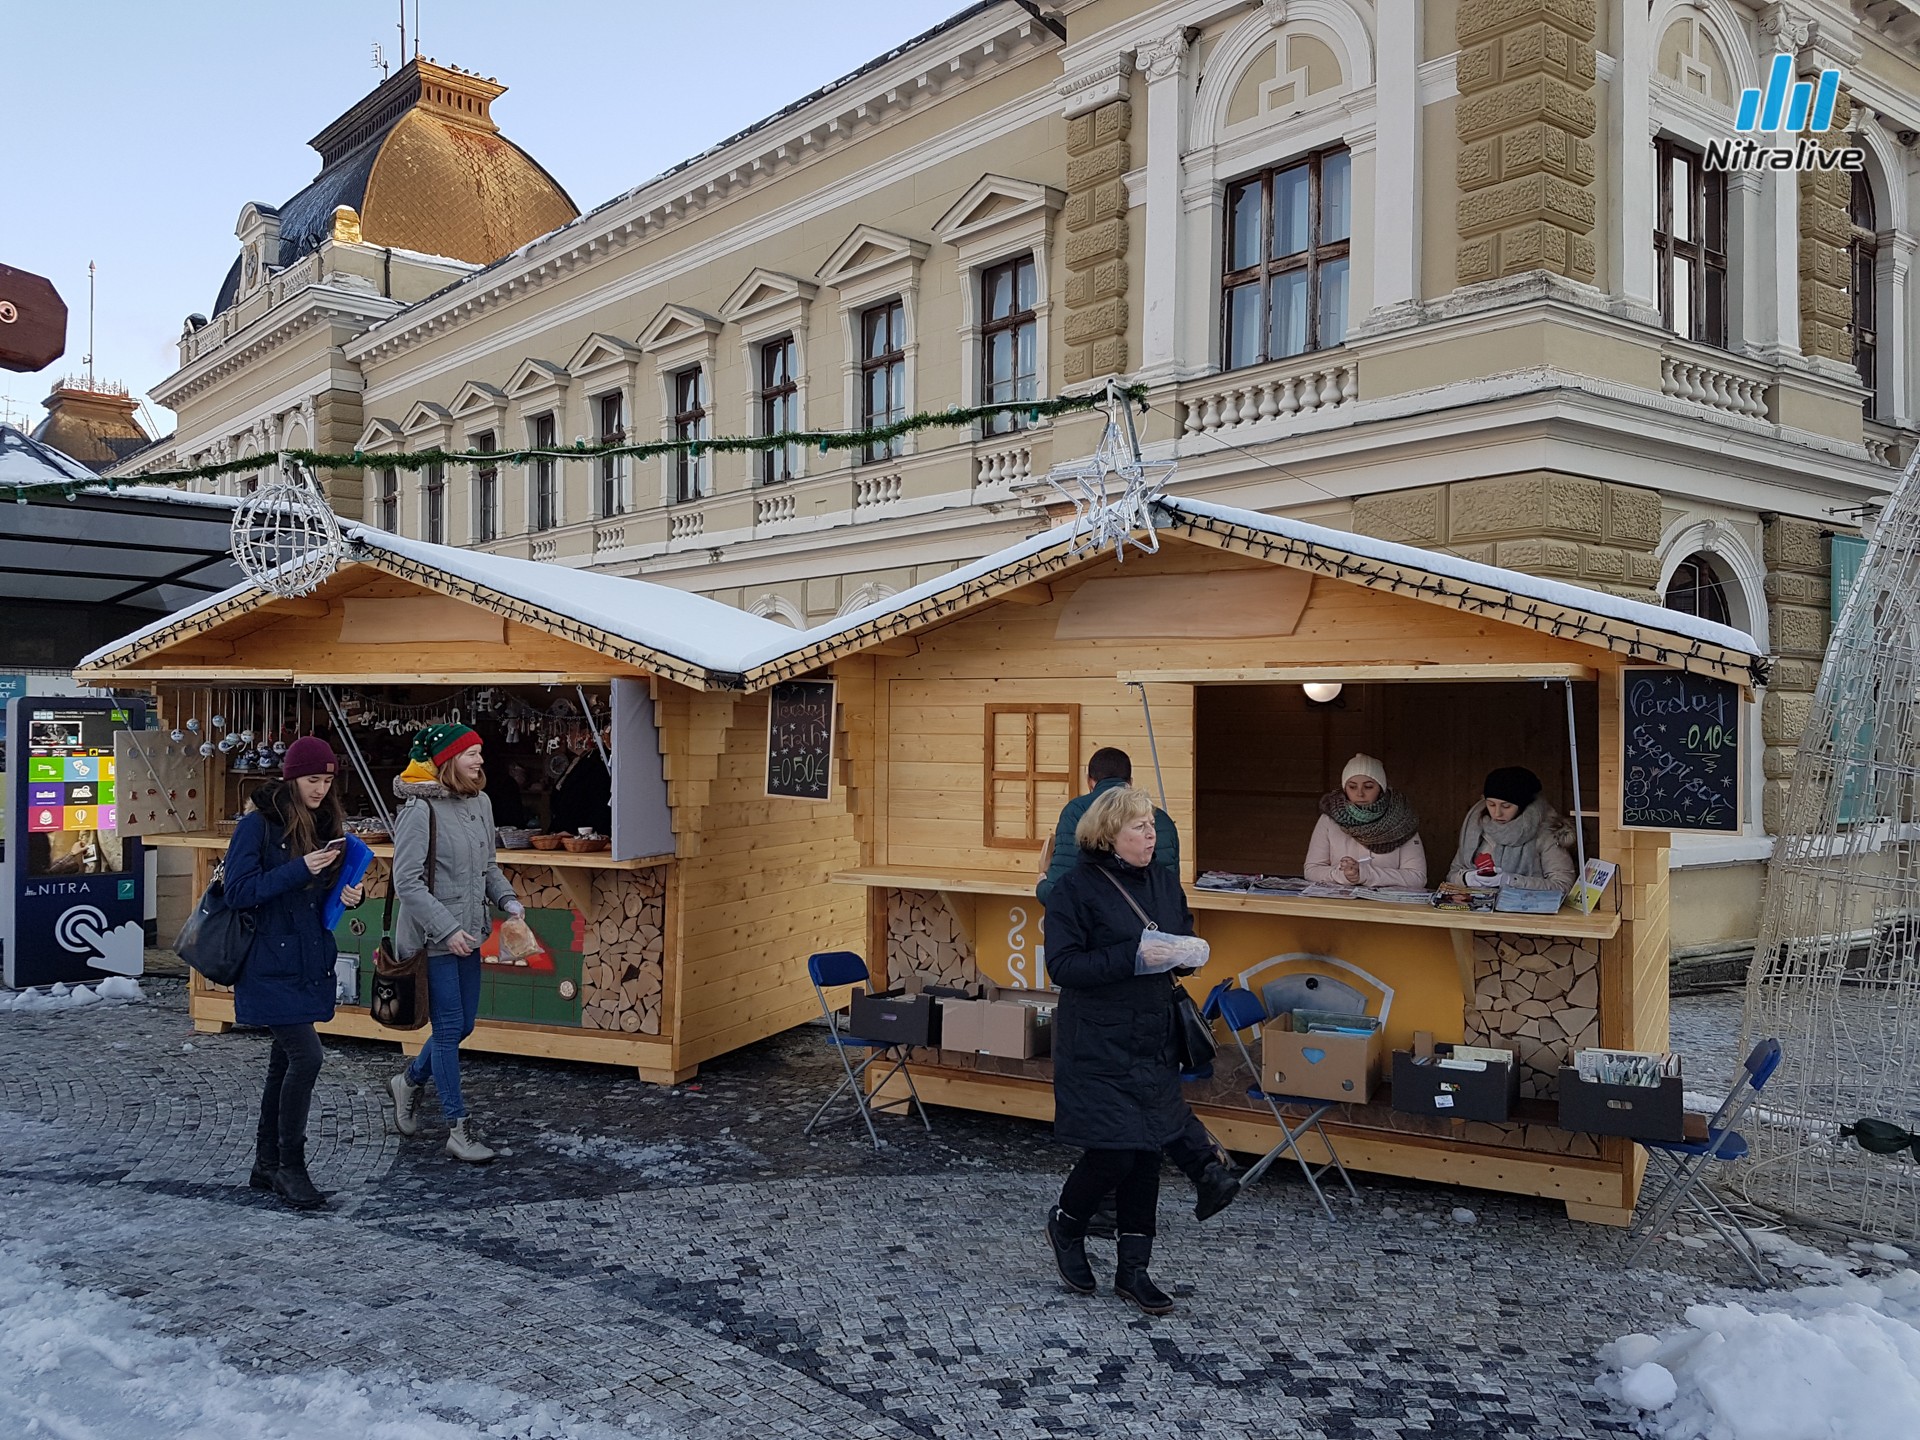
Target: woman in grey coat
(447,914)
(1512,833)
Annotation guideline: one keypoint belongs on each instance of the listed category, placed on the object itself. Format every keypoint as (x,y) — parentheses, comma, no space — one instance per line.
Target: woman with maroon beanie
(279,867)
(446,913)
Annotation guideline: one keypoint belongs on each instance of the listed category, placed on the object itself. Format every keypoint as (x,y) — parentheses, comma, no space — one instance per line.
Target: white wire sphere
(286,539)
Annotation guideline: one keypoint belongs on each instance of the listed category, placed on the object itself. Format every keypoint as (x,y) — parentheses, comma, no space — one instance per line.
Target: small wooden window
(1690,243)
(1031,772)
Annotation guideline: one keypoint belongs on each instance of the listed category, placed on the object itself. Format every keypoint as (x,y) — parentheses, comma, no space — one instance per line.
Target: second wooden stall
(971,705)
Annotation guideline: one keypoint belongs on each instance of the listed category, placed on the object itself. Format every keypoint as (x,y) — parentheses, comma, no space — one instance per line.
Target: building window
(387,502)
(1284,276)
(779,408)
(1009,340)
(613,431)
(883,374)
(486,491)
(1696,590)
(433,502)
(1690,244)
(1030,771)
(690,423)
(1863,253)
(546,484)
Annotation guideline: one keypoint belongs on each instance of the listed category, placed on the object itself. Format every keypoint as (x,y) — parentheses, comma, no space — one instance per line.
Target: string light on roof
(285,537)
(1104,515)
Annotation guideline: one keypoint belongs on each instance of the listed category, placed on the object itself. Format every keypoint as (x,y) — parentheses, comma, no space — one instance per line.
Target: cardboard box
(1640,1112)
(894,1017)
(1319,1067)
(1423,1086)
(1013,1024)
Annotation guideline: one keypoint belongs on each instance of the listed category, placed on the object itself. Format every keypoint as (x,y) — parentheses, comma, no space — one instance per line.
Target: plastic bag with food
(517,940)
(1160,952)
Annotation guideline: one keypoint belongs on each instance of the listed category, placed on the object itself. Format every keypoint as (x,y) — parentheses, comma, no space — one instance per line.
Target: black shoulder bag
(1192,1036)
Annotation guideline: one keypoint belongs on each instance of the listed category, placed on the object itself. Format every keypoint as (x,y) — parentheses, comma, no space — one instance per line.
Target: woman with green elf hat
(446,913)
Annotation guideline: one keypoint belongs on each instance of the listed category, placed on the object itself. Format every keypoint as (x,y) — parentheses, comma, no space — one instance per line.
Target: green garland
(825,440)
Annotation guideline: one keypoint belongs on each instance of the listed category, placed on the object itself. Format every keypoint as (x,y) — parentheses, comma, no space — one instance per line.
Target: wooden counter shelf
(579,888)
(1460,924)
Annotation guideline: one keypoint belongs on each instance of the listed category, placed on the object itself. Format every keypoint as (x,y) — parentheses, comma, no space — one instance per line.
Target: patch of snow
(81,1364)
(1464,1216)
(71,997)
(664,1161)
(1829,1362)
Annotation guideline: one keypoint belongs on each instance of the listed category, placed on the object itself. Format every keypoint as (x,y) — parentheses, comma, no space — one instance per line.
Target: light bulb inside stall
(1322,692)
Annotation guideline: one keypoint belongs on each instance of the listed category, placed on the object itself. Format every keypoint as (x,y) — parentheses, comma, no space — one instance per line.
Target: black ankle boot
(1104,1223)
(266,1160)
(292,1183)
(1131,1278)
(1068,1237)
(1214,1190)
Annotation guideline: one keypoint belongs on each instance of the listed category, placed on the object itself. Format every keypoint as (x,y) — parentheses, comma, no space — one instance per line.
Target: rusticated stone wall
(1826,309)
(1525,124)
(1565,527)
(1098,154)
(1798,571)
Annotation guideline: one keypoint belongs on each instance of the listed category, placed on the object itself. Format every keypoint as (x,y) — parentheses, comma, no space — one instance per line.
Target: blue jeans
(453,1001)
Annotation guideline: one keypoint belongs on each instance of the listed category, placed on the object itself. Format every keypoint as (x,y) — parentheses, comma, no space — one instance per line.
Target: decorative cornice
(822,125)
(1161,59)
(286,321)
(1101,84)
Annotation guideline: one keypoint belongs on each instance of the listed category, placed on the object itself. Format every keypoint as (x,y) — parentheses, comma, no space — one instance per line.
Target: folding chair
(1242,1011)
(843,967)
(1687,1162)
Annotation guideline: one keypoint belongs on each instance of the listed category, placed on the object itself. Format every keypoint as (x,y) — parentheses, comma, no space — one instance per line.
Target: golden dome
(92,422)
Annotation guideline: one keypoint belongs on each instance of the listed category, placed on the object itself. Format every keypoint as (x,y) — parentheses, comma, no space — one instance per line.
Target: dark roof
(307,218)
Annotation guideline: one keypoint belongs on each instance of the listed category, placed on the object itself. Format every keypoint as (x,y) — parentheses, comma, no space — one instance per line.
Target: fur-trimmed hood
(405,789)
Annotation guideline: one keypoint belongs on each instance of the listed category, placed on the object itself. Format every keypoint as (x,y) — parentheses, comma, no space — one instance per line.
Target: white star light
(1102,516)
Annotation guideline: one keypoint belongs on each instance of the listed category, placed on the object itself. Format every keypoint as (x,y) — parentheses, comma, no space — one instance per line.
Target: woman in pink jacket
(1367,834)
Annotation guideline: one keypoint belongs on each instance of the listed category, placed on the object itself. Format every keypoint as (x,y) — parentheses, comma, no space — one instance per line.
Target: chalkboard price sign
(1680,751)
(800,740)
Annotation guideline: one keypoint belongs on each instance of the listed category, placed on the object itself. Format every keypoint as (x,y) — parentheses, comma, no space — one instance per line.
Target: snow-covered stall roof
(672,632)
(1592,617)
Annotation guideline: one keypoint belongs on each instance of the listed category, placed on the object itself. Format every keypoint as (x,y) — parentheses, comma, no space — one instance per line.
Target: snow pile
(665,1162)
(1824,1362)
(72,997)
(83,1365)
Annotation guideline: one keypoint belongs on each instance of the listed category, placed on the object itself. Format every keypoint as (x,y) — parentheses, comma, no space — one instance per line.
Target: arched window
(1862,252)
(1696,590)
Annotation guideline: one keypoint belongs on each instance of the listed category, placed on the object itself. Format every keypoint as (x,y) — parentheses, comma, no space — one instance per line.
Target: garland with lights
(825,441)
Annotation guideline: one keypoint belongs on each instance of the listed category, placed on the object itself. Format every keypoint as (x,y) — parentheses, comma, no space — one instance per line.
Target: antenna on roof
(416,29)
(403,31)
(90,270)
(379,59)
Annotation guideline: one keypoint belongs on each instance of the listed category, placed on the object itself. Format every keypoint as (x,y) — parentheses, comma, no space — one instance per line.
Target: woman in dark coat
(280,868)
(1116,1076)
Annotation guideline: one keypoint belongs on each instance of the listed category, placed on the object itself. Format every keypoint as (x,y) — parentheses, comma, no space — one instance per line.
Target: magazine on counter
(1592,884)
(1327,892)
(1392,896)
(1222,880)
(1279,885)
(1516,898)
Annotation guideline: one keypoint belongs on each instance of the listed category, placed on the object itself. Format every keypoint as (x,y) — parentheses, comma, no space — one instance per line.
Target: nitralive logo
(1791,105)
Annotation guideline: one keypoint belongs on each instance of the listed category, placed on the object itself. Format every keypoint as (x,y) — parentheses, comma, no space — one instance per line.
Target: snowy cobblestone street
(686,1263)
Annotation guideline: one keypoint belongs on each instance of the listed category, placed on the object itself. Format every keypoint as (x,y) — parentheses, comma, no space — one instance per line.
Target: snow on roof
(1552,592)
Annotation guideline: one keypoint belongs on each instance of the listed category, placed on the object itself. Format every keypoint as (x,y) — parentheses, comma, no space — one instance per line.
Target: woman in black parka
(1116,1077)
(280,868)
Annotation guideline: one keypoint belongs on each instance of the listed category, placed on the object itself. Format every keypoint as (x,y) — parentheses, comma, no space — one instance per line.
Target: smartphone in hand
(336,845)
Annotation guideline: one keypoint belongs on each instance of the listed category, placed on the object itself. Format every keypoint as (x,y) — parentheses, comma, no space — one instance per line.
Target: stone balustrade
(872,493)
(1239,399)
(1002,469)
(685,524)
(773,507)
(609,537)
(1714,386)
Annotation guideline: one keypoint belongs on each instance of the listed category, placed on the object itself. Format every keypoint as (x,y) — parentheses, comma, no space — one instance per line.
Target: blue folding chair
(842,967)
(1687,1162)
(1242,1011)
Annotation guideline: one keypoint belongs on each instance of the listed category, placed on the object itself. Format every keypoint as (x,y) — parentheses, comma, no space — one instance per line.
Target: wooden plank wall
(754,899)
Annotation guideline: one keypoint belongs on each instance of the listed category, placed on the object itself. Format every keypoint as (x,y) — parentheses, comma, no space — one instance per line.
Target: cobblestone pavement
(688,1259)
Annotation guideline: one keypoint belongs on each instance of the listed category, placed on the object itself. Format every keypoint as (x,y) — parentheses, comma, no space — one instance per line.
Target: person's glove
(1491,881)
(515,909)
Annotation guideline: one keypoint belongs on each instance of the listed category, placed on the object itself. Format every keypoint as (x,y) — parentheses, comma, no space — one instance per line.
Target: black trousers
(1192,1150)
(292,1069)
(1132,1177)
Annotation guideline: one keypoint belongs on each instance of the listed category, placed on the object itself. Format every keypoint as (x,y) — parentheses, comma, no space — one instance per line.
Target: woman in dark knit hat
(280,868)
(1512,833)
(446,914)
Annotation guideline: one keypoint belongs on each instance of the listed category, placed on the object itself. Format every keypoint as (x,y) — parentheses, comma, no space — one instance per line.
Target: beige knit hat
(1368,766)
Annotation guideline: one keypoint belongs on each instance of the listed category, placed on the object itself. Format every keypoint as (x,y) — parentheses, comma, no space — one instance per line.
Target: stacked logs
(924,939)
(623,944)
(1539,997)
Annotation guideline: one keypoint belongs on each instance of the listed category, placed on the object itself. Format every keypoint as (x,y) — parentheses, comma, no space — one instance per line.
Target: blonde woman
(446,913)
(1116,1075)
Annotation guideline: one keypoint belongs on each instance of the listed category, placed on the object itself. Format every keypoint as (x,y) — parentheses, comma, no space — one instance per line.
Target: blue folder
(353,868)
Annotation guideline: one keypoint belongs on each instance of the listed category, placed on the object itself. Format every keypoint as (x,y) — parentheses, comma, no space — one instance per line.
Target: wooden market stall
(972,703)
(675,943)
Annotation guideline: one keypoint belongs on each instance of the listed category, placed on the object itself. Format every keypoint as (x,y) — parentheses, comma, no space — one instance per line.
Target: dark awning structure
(142,546)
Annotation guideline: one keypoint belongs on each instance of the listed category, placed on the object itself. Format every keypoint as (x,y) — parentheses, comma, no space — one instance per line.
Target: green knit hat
(438,744)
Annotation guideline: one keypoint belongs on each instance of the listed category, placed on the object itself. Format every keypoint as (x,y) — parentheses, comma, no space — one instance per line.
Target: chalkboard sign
(800,740)
(1680,751)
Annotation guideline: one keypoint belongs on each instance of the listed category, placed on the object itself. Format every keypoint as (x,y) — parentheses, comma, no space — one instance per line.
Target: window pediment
(872,260)
(478,399)
(996,211)
(679,336)
(603,352)
(537,380)
(426,415)
(765,290)
(380,434)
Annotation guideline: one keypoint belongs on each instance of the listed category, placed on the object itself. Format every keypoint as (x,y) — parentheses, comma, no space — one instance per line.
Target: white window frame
(679,339)
(602,365)
(477,409)
(379,437)
(869,267)
(764,307)
(997,220)
(539,388)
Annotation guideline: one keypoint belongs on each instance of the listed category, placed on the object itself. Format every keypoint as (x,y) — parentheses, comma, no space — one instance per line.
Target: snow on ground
(669,1162)
(81,1364)
(1838,1360)
(72,997)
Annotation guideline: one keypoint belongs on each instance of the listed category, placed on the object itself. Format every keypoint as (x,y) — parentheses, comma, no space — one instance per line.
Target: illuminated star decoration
(1103,516)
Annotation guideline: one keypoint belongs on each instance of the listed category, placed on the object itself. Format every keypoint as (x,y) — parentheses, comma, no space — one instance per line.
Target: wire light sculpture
(285,536)
(1836,972)
(1103,515)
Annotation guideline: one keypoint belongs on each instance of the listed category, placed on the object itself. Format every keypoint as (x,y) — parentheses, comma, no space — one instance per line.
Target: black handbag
(216,939)
(1192,1036)
(397,998)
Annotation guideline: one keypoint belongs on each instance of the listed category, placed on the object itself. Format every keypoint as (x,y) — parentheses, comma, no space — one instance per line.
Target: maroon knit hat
(309,755)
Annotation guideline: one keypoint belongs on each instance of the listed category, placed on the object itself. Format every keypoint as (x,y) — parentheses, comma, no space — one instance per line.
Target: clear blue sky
(132,131)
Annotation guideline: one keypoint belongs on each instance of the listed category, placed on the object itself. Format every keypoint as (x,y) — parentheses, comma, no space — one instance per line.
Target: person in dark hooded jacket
(279,868)
(1116,1073)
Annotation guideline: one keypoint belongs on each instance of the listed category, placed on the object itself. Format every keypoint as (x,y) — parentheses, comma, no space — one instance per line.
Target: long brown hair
(307,830)
(453,784)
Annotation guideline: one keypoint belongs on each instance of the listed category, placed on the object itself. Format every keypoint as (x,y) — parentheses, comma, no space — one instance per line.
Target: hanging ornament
(1102,516)
(285,536)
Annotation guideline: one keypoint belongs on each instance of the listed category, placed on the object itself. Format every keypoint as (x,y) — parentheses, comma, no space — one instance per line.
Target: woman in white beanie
(1367,834)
